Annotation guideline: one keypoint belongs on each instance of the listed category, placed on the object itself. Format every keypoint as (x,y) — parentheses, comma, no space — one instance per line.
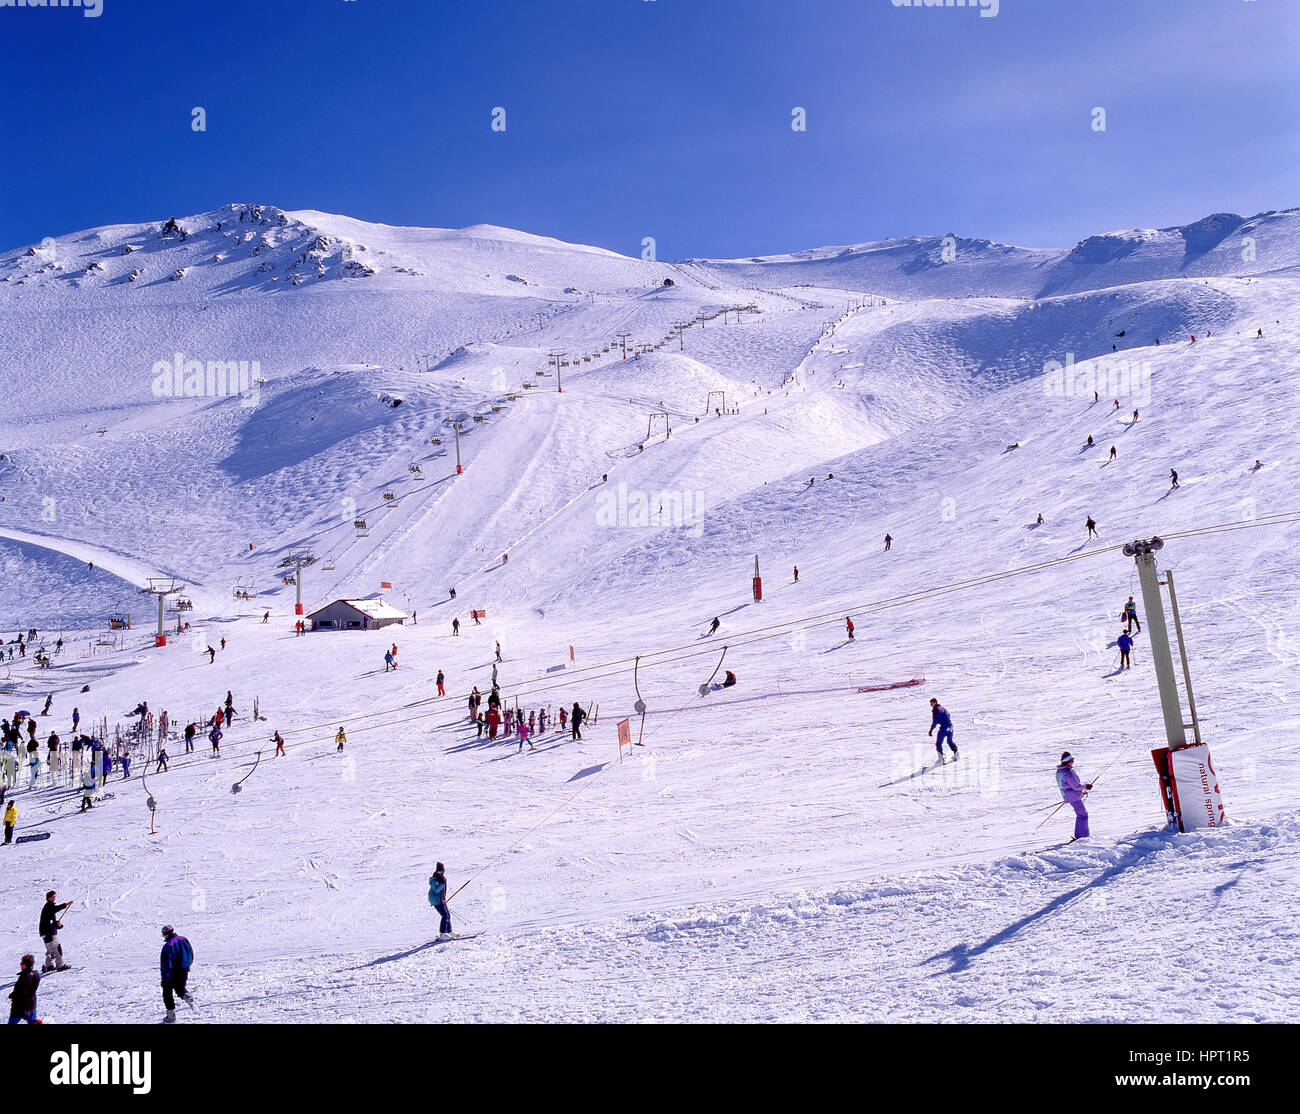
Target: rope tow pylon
(640,703)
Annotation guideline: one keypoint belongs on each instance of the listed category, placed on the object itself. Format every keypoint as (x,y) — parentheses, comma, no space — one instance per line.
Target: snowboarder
(441,690)
(848,626)
(438,899)
(1125,643)
(888,542)
(1173,478)
(455,627)
(715,624)
(340,737)
(1092,528)
(1072,793)
(1130,615)
(940,718)
(575,720)
(174,963)
(49,929)
(22,999)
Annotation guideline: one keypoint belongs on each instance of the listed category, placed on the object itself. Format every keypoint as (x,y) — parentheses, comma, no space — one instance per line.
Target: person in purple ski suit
(1072,792)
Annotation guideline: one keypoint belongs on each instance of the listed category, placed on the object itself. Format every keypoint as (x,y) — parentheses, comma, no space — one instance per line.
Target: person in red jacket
(848,626)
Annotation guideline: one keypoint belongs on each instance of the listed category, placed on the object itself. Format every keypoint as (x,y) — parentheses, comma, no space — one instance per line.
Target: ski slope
(772,851)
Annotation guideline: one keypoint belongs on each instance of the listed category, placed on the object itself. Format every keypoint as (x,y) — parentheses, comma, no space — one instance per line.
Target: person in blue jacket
(1125,643)
(438,899)
(940,718)
(175,962)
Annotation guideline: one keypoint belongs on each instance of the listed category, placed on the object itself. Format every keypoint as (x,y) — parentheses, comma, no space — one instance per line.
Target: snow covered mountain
(940,390)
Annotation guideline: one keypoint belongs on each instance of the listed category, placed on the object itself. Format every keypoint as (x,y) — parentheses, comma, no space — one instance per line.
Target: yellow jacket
(11,814)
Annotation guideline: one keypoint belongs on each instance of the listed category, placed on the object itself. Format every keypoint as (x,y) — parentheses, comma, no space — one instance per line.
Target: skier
(214,737)
(388,660)
(230,708)
(1125,643)
(340,737)
(278,740)
(715,625)
(174,962)
(575,720)
(1257,467)
(888,542)
(191,729)
(162,760)
(1072,792)
(49,929)
(76,718)
(848,626)
(1173,482)
(1092,528)
(498,645)
(88,785)
(223,642)
(438,899)
(453,592)
(22,998)
(564,717)
(11,818)
(48,701)
(796,574)
(1113,452)
(493,721)
(1040,519)
(266,617)
(441,690)
(524,732)
(541,722)
(1130,615)
(455,627)
(212,655)
(940,718)
(393,651)
(1089,441)
(728,679)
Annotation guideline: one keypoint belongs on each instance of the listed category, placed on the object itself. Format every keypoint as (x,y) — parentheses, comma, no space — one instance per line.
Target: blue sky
(663,118)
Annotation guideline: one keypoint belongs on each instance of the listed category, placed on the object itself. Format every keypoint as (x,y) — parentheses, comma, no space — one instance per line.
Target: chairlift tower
(298,560)
(556,356)
(162,587)
(622,338)
(457,427)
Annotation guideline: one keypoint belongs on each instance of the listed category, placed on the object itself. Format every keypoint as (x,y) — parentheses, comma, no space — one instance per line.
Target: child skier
(1072,793)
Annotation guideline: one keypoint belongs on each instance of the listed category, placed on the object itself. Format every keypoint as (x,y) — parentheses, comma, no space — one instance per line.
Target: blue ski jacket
(177,955)
(437,890)
(941,718)
(1125,642)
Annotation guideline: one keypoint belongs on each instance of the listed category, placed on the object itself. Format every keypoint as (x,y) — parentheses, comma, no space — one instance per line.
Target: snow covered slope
(774,841)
